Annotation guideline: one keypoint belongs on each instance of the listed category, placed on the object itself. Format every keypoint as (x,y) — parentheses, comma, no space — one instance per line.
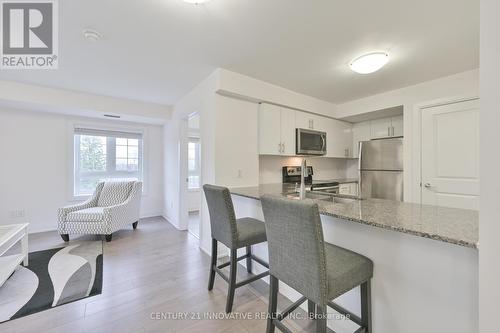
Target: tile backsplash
(324,168)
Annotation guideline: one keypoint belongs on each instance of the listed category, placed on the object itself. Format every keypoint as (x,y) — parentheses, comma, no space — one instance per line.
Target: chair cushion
(345,270)
(93,214)
(250,231)
(114,193)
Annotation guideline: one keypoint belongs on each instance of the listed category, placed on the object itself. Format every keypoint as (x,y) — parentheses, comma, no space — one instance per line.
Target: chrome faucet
(303,175)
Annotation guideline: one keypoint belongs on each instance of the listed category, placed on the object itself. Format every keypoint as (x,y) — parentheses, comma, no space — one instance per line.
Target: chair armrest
(64,211)
(126,212)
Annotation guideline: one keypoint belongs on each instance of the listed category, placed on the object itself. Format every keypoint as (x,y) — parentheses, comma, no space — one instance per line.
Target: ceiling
(157,50)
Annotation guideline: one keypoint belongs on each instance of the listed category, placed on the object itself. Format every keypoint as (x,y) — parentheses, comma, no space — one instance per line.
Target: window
(193,163)
(105,155)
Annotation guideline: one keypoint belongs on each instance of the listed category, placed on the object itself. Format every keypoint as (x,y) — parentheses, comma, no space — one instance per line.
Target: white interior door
(450,155)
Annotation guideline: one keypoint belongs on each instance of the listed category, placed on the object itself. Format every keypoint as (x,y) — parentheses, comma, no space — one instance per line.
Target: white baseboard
(173,224)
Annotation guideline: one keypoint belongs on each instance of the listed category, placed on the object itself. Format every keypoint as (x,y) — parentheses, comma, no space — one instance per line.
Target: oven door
(310,142)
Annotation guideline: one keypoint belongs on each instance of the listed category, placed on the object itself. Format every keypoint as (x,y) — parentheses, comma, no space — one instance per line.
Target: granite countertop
(450,225)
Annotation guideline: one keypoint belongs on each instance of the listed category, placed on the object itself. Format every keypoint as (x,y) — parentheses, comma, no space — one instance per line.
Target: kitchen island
(425,259)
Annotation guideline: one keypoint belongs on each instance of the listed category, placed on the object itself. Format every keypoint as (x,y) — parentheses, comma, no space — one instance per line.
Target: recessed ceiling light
(369,63)
(91,35)
(196,2)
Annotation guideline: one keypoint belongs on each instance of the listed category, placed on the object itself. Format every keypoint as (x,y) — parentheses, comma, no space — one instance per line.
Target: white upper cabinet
(360,132)
(387,127)
(381,128)
(338,138)
(375,129)
(276,130)
(310,121)
(397,126)
(288,131)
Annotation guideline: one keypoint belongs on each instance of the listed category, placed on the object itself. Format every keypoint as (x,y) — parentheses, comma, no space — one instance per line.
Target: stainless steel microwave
(309,142)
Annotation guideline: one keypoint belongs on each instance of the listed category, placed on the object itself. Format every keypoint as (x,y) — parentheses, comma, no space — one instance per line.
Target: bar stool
(299,256)
(235,234)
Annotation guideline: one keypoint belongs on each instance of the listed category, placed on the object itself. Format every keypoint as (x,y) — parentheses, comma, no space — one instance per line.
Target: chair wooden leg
(65,237)
(232,281)
(134,225)
(249,259)
(213,263)
(366,306)
(109,237)
(273,304)
(311,309)
(320,319)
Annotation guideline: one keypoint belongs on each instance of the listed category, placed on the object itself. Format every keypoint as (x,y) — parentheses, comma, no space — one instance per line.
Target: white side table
(9,236)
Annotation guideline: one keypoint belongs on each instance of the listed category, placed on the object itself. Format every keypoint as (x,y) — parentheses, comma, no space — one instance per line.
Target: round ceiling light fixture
(196,2)
(91,35)
(369,63)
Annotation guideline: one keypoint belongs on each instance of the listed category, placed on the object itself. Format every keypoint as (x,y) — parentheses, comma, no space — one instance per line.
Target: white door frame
(183,171)
(416,154)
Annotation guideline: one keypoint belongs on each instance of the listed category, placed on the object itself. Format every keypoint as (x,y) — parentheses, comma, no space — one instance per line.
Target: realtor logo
(29,34)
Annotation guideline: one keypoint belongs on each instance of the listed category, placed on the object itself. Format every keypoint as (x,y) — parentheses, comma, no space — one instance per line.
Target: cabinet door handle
(392,130)
(388,131)
(283,149)
(279,147)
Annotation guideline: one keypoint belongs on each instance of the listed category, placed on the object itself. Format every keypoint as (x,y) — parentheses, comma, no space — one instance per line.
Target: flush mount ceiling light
(91,35)
(196,2)
(369,63)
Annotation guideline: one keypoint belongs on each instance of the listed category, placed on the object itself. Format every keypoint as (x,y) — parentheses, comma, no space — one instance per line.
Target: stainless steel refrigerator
(381,169)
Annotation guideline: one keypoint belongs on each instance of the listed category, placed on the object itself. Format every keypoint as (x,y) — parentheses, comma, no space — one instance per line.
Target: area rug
(52,278)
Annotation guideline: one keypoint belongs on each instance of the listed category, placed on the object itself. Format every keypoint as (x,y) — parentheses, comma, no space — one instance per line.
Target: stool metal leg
(273,303)
(232,281)
(213,263)
(249,259)
(366,306)
(311,309)
(320,319)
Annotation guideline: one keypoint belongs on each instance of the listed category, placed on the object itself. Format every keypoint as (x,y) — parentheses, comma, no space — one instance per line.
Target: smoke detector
(91,35)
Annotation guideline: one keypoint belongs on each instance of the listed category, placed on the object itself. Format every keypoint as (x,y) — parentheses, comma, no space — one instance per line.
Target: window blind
(108,133)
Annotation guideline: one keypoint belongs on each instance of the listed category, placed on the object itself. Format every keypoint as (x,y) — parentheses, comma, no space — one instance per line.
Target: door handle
(279,147)
(283,147)
(388,131)
(427,185)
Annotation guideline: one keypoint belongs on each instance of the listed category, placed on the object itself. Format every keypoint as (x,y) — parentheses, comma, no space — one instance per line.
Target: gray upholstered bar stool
(299,256)
(235,234)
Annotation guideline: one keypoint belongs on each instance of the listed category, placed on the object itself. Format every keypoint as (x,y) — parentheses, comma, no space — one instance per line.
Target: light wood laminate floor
(153,271)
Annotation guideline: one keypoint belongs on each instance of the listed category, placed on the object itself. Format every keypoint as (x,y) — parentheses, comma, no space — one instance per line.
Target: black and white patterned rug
(53,277)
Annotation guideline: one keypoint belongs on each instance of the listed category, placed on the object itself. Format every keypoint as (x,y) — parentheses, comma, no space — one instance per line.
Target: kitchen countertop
(450,225)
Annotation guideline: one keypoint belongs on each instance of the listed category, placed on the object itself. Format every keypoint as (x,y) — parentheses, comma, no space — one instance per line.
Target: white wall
(270,167)
(489,208)
(201,100)
(34,168)
(236,142)
(464,84)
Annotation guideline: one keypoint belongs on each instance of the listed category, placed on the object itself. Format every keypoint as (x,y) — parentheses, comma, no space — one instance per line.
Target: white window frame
(72,160)
(197,172)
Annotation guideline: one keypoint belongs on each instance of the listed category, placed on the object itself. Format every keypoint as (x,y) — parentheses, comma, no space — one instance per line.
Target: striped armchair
(112,206)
